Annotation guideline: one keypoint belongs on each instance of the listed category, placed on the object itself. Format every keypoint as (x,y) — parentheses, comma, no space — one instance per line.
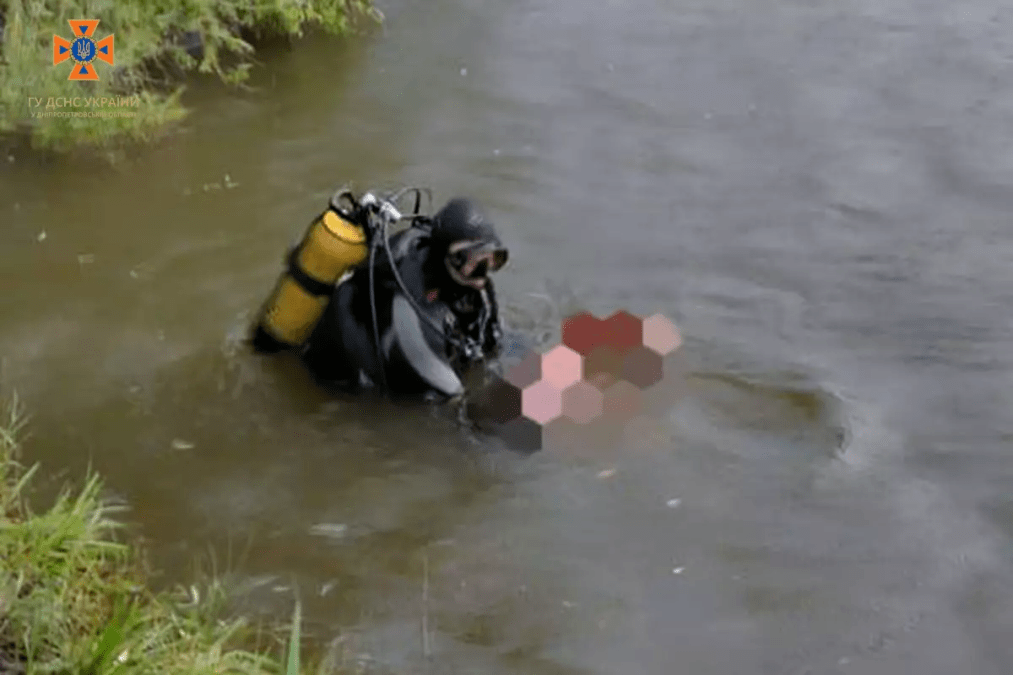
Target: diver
(407,314)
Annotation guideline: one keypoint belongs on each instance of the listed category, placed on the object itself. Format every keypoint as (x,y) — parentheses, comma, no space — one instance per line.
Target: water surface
(816,192)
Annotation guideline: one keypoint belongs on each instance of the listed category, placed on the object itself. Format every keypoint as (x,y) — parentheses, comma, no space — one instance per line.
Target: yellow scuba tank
(331,246)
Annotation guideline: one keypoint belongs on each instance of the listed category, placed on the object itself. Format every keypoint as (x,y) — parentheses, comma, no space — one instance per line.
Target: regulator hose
(366,212)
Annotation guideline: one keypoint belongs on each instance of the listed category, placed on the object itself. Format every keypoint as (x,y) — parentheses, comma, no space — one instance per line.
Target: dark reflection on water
(816,193)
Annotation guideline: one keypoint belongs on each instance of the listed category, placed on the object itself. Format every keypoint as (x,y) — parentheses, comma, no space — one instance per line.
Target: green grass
(73,599)
(150,58)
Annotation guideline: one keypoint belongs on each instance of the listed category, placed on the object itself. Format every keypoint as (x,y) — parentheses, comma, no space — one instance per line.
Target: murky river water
(818,193)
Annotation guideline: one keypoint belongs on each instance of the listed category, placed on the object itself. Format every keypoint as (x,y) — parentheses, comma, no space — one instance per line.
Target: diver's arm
(419,354)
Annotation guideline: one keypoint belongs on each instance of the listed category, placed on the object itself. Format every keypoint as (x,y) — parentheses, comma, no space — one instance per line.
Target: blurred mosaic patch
(599,371)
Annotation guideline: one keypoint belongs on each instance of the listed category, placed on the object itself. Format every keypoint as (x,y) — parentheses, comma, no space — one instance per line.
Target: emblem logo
(83,50)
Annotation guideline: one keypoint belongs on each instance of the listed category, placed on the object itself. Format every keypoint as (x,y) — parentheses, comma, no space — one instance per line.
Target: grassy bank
(157,42)
(73,600)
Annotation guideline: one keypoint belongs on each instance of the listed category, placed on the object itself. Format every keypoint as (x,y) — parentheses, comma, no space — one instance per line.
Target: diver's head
(469,244)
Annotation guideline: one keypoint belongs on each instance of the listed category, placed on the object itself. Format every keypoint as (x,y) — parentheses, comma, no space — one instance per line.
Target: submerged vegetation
(156,44)
(73,599)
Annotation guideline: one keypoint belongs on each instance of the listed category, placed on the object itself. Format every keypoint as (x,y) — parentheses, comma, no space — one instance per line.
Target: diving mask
(470,262)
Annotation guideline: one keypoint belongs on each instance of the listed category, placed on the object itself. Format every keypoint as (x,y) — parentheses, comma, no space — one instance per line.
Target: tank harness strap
(308,283)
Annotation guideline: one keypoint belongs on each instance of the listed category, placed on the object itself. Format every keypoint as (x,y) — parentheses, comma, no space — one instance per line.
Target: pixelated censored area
(599,371)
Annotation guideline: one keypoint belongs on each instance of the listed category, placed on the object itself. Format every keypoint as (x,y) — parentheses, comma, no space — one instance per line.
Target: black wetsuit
(414,358)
